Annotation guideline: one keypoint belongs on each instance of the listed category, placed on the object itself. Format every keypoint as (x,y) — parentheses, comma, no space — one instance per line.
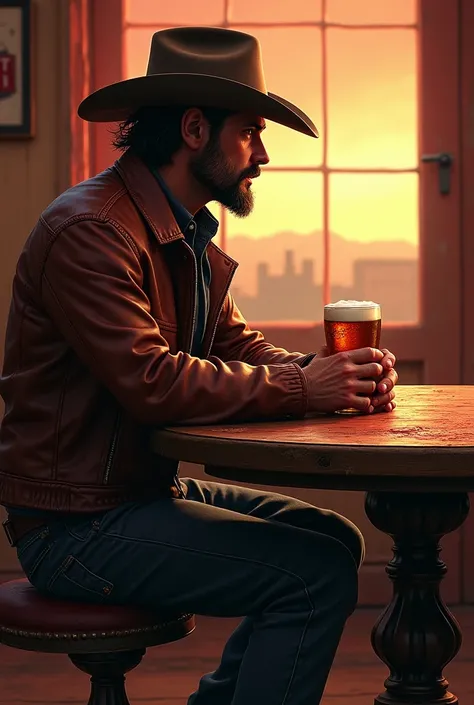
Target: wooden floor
(168,674)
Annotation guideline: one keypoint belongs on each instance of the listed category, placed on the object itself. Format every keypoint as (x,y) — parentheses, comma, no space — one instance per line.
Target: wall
(34,171)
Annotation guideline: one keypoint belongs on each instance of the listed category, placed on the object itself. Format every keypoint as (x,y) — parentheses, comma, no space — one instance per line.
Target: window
(335,217)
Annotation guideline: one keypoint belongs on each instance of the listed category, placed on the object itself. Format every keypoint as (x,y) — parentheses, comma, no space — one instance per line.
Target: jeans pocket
(28,542)
(73,581)
(32,551)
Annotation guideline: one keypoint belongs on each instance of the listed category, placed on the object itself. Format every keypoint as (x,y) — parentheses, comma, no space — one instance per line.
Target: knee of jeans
(344,581)
(339,577)
(357,545)
(352,538)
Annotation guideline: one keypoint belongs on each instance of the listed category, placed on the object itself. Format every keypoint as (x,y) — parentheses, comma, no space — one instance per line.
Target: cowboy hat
(202,66)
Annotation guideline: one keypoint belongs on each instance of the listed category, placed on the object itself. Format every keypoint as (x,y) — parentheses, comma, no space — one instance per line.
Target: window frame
(440,307)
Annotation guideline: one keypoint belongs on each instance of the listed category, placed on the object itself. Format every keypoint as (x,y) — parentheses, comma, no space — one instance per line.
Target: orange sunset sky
(371,107)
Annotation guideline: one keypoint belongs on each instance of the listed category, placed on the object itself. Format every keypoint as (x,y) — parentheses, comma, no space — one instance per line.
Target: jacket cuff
(305,359)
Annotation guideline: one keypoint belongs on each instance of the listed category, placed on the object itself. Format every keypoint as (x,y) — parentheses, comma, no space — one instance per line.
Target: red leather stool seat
(32,621)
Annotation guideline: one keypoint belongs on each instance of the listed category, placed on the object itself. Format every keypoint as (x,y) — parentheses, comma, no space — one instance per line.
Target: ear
(194,128)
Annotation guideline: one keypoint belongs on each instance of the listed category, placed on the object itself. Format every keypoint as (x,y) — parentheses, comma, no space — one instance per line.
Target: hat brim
(116,102)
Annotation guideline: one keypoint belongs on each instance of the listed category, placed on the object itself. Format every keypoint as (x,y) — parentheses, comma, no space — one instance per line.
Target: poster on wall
(15,69)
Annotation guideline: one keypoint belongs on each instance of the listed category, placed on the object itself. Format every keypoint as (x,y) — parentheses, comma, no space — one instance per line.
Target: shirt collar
(203,218)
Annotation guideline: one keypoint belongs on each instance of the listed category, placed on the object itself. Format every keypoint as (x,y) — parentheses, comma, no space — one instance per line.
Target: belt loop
(9,532)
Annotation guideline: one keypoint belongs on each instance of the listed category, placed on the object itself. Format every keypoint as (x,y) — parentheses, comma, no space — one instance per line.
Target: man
(121,321)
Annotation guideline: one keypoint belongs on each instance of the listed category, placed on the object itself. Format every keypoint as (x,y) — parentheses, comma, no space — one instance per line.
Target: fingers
(370,371)
(383,399)
(360,403)
(364,355)
(391,406)
(387,383)
(388,360)
(364,386)
(371,379)
(366,405)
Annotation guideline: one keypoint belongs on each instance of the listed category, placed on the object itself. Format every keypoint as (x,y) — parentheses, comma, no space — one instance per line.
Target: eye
(249,131)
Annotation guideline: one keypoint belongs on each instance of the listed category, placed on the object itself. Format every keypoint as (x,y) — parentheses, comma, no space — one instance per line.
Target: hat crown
(211,51)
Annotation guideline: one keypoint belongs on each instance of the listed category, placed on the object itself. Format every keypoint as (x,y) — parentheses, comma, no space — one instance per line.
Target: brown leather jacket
(96,350)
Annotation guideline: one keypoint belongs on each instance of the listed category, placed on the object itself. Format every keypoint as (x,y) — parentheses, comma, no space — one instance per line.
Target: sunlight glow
(372,125)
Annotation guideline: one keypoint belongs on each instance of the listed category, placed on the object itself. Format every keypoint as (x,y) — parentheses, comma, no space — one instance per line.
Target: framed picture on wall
(16,103)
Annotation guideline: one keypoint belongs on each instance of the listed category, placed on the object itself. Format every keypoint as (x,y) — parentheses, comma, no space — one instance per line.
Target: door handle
(445,162)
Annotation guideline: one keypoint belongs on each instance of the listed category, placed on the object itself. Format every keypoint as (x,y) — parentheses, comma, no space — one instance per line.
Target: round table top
(426,444)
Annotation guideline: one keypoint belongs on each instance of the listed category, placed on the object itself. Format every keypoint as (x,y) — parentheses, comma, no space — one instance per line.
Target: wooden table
(416,466)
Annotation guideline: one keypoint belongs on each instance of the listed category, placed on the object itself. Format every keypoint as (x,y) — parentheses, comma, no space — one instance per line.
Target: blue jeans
(290,569)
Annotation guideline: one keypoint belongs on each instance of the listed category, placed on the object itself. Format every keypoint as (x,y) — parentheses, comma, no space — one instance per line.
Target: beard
(213,170)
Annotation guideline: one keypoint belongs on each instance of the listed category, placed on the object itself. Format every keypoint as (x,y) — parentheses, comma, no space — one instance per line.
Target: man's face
(229,161)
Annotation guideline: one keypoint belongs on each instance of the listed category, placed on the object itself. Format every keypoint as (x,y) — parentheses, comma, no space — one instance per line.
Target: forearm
(103,314)
(235,340)
(268,354)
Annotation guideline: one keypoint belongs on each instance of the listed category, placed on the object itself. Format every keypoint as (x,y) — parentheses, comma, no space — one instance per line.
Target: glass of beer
(350,325)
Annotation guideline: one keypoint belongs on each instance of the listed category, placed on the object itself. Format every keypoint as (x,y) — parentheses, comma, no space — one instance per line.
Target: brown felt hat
(201,66)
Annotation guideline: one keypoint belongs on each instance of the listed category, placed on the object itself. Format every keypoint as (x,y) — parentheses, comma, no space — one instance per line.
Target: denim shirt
(198,231)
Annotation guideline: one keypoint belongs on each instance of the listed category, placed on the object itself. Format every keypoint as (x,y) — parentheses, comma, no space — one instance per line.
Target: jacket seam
(304,386)
(54,233)
(20,337)
(126,236)
(59,414)
(62,483)
(76,219)
(112,201)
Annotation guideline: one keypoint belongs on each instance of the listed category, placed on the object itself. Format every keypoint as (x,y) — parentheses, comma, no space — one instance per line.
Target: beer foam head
(352,311)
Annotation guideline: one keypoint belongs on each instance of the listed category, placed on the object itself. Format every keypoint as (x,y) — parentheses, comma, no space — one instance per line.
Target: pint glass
(350,325)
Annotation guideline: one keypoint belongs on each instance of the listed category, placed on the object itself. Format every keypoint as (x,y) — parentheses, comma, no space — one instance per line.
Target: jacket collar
(152,202)
(203,217)
(148,197)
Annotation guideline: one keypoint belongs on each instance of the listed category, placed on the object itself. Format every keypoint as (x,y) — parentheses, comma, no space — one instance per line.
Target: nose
(260,155)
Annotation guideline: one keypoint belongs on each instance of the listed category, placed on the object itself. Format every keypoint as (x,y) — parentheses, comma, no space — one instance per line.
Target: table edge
(339,460)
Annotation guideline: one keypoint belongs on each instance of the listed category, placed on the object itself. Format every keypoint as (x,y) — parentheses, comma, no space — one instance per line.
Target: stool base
(107,672)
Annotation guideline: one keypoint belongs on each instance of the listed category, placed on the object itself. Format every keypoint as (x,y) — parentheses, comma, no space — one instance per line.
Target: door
(355,214)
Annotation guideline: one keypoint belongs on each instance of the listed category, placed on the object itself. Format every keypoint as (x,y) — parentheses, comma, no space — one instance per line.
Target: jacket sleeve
(235,340)
(92,288)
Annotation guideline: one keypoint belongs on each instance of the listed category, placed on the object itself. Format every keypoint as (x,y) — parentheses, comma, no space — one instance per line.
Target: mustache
(252,173)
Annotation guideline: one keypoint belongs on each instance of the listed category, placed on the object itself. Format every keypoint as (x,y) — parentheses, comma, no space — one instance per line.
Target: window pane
(373,219)
(137,50)
(271,11)
(292,63)
(372,98)
(279,248)
(371,11)
(183,12)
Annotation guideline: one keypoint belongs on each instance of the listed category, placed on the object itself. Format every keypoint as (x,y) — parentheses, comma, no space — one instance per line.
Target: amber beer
(352,324)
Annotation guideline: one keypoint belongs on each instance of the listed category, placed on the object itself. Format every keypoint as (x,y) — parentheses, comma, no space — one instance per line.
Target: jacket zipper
(190,346)
(113,445)
(219,314)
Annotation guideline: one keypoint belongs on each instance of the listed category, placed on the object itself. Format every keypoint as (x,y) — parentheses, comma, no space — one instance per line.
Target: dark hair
(154,133)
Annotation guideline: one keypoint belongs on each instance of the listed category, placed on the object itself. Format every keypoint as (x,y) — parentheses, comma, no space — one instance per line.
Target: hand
(344,380)
(383,399)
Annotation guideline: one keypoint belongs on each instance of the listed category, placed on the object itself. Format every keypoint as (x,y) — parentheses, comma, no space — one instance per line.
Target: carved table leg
(416,635)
